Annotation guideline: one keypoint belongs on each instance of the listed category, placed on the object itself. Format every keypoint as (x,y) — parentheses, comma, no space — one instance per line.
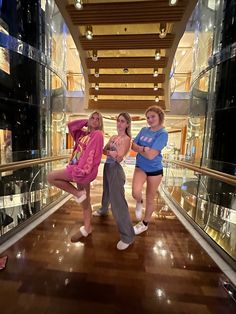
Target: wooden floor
(164,271)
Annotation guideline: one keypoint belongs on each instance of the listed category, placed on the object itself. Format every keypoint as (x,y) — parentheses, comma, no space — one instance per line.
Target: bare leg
(151,191)
(87,210)
(86,229)
(62,180)
(137,185)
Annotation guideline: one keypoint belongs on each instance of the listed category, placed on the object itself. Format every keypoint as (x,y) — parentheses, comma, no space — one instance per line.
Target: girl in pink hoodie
(83,166)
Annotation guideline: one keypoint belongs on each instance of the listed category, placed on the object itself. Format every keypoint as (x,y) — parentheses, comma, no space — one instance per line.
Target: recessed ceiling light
(155,73)
(163,30)
(157,55)
(173,2)
(89,32)
(95,56)
(155,87)
(78,4)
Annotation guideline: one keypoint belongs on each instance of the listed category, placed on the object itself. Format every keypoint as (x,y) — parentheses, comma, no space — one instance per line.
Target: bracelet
(144,149)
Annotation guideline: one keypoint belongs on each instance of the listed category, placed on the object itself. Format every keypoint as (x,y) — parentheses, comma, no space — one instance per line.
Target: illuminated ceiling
(125,39)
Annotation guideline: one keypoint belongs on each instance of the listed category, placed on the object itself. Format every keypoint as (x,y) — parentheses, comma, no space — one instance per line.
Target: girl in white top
(114,180)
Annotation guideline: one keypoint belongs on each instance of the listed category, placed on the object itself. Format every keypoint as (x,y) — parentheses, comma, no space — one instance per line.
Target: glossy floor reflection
(164,271)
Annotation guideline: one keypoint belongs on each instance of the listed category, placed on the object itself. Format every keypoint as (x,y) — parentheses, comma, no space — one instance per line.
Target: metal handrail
(30,162)
(221,176)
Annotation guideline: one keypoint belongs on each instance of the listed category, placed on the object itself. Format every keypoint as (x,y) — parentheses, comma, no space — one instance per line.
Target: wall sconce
(96,73)
(89,32)
(157,55)
(172,2)
(157,99)
(155,87)
(95,98)
(155,73)
(163,31)
(78,4)
(96,86)
(95,56)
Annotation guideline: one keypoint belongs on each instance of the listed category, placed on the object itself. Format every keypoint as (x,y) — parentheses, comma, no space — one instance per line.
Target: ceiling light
(89,32)
(126,71)
(96,73)
(173,2)
(96,86)
(78,4)
(157,99)
(163,31)
(157,55)
(95,56)
(95,98)
(155,73)
(155,87)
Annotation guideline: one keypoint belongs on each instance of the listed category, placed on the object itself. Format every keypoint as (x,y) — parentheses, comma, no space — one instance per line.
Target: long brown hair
(128,120)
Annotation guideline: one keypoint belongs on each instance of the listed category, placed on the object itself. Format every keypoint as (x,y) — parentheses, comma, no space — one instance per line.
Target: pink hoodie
(87,152)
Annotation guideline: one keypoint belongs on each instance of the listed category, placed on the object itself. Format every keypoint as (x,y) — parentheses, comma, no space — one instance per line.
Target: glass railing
(25,192)
(208,198)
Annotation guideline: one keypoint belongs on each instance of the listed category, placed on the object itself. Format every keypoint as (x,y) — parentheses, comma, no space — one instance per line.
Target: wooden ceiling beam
(127,91)
(126,78)
(126,62)
(126,12)
(124,104)
(138,41)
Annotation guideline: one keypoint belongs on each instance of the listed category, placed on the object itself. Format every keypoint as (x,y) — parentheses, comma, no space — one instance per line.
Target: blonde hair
(157,110)
(100,120)
(128,120)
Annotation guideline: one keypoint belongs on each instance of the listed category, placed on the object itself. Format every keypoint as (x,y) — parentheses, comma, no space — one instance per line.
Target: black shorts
(153,173)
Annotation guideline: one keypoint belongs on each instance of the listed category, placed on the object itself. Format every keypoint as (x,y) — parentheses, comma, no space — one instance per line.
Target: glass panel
(210,203)
(26,192)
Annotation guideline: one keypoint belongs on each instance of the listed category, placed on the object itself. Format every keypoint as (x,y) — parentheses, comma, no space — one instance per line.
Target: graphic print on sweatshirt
(82,142)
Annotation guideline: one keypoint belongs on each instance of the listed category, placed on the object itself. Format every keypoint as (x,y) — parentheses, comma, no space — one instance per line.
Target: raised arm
(90,159)
(75,127)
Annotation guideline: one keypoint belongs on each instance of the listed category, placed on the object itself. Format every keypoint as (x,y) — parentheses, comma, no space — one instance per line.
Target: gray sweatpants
(114,193)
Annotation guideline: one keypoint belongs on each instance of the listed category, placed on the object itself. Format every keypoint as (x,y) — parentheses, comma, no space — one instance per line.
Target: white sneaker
(122,245)
(140,227)
(97,213)
(138,210)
